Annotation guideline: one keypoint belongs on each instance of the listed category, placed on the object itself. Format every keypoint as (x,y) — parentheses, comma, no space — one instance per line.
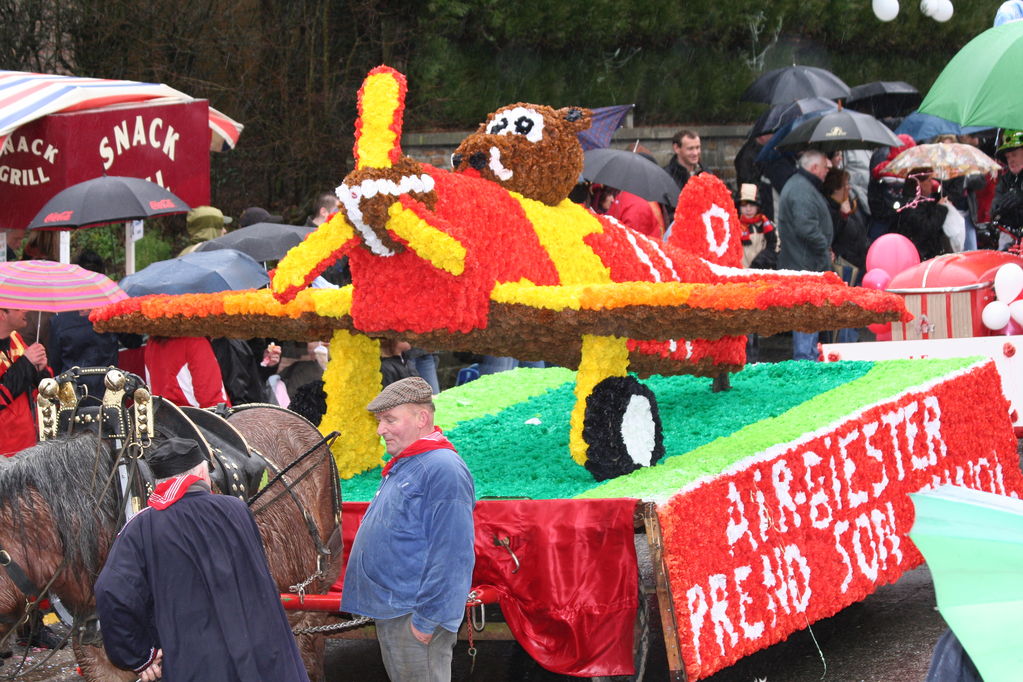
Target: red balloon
(1011,329)
(881,332)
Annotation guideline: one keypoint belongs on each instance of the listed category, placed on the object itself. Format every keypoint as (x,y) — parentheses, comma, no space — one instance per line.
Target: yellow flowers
(561,230)
(441,249)
(351,380)
(594,296)
(293,272)
(381,106)
(602,357)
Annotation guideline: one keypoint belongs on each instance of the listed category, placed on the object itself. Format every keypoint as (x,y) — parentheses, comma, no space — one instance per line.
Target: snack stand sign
(164,143)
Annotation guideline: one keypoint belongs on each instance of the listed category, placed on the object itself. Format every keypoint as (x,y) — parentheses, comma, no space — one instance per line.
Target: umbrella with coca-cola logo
(107,199)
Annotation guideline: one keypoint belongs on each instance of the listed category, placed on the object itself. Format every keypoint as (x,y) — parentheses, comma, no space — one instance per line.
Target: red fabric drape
(572,603)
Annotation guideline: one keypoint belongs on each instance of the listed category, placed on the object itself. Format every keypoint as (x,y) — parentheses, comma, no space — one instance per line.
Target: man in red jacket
(22,366)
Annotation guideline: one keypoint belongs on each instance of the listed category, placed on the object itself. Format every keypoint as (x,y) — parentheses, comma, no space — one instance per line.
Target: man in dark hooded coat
(186,593)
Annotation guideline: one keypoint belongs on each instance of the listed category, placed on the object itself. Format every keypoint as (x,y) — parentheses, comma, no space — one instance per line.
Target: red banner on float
(794,535)
(165,143)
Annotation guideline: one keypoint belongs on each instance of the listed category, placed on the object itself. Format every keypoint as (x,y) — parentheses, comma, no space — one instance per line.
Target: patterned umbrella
(54,287)
(947,160)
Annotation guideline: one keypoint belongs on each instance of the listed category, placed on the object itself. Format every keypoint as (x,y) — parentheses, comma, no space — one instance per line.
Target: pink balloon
(881,332)
(1011,329)
(893,253)
(876,279)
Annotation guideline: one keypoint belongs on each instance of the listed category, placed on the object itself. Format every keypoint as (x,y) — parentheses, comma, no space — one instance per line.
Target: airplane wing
(549,320)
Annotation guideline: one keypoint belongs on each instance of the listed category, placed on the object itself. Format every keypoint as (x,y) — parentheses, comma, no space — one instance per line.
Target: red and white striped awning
(25,97)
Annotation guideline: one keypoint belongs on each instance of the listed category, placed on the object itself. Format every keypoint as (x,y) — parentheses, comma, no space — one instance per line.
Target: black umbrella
(839,130)
(795,82)
(262,241)
(631,172)
(885,99)
(782,114)
(107,199)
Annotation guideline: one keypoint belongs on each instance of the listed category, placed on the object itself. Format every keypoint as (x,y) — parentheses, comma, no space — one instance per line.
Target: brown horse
(58,519)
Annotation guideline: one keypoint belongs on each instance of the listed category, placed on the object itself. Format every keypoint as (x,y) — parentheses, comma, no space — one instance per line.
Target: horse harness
(129,417)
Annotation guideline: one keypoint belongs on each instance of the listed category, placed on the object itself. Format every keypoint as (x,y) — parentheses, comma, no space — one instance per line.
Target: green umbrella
(981,85)
(973,543)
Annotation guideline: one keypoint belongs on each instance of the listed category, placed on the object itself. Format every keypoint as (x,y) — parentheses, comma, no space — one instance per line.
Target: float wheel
(621,428)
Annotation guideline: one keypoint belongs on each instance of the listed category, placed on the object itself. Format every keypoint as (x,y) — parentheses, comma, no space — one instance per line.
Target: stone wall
(720,145)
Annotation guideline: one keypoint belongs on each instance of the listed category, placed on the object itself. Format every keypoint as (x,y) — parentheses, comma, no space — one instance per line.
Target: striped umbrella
(25,97)
(51,287)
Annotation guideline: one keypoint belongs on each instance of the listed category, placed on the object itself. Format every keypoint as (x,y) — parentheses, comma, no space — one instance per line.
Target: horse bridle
(21,580)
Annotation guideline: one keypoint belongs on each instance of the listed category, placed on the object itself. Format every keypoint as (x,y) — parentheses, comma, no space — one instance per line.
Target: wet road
(886,638)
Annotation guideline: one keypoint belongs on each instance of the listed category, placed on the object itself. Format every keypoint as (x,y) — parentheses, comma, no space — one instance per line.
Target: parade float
(766,507)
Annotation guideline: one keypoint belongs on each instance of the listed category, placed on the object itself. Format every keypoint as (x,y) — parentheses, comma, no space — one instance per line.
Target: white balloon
(1008,283)
(1016,311)
(942,11)
(995,315)
(885,10)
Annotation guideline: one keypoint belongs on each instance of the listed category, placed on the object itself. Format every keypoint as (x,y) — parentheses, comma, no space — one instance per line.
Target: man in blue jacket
(411,563)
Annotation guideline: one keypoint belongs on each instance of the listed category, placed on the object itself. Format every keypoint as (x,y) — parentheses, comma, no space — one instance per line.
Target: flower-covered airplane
(494,258)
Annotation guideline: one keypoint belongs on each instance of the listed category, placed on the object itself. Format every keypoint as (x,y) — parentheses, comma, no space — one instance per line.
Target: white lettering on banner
(936,447)
(737,528)
(892,420)
(781,476)
(981,475)
(839,529)
(719,611)
(749,630)
(874,531)
(867,566)
(872,452)
(696,604)
(140,135)
(158,179)
(763,515)
(35,147)
(818,497)
(23,177)
(717,246)
(786,579)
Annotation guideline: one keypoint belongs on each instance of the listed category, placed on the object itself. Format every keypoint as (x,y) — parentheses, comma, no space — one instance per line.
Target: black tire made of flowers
(622,428)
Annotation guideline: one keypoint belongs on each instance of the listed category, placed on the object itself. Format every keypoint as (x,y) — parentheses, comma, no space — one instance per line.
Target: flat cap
(174,456)
(409,390)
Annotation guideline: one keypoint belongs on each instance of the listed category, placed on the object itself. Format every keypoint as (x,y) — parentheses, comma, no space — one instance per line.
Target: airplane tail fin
(706,223)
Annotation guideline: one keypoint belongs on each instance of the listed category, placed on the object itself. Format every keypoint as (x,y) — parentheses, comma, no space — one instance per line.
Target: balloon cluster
(939,10)
(1005,314)
(889,255)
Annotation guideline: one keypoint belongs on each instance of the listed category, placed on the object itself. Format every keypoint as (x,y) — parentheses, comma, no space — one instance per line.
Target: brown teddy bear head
(527,148)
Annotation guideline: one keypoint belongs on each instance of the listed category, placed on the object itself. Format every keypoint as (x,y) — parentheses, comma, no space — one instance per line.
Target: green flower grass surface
(884,380)
(512,428)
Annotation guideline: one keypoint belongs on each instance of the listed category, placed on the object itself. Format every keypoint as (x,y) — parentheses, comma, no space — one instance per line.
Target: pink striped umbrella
(51,287)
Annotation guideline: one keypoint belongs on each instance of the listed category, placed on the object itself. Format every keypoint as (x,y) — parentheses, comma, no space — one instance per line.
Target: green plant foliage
(290,71)
(158,243)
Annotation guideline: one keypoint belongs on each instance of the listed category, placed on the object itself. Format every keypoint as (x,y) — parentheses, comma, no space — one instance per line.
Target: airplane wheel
(622,428)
